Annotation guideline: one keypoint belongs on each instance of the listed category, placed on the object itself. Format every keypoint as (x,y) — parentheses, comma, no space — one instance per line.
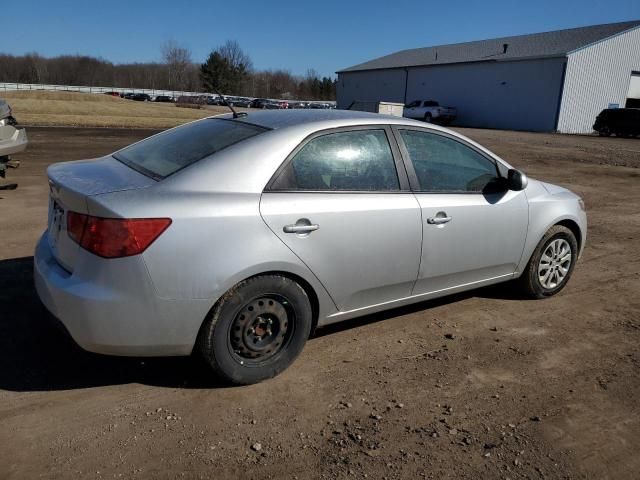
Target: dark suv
(139,97)
(623,122)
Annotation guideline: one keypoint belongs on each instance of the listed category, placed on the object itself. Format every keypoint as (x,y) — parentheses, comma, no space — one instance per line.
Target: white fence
(12,87)
(6,87)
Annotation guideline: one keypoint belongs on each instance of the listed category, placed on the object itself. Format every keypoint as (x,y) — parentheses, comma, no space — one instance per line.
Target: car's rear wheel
(256,329)
(551,264)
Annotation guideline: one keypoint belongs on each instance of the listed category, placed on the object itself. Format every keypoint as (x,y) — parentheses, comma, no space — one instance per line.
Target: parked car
(430,111)
(12,139)
(163,99)
(320,105)
(263,103)
(112,94)
(214,100)
(235,237)
(241,102)
(138,97)
(623,122)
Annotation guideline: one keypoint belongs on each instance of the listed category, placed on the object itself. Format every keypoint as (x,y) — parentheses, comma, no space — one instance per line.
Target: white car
(429,111)
(12,139)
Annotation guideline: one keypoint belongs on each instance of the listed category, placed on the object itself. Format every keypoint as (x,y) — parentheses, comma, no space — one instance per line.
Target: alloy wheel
(555,263)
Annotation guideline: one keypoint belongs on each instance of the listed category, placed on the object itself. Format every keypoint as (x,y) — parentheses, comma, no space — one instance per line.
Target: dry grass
(71,109)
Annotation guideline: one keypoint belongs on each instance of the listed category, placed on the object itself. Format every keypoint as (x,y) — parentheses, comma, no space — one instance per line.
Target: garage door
(633,96)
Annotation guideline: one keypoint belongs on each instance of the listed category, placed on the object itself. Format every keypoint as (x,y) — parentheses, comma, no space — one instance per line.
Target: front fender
(546,210)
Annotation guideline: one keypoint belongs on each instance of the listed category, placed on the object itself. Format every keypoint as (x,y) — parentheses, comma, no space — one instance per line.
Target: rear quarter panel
(215,241)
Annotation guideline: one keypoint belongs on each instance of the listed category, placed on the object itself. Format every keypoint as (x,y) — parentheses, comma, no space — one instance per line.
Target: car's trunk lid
(71,185)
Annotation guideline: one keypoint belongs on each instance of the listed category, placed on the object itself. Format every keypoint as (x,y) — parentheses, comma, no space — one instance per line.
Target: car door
(341,204)
(474,229)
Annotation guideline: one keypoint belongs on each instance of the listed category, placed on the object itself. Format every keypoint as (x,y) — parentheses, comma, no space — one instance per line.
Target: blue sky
(294,35)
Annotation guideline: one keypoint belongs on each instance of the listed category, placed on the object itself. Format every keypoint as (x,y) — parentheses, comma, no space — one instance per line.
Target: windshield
(164,154)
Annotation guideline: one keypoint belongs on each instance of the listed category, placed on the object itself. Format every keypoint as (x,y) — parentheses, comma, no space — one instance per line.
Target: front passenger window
(443,164)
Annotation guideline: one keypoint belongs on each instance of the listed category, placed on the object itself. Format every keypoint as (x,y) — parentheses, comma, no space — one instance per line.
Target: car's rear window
(164,154)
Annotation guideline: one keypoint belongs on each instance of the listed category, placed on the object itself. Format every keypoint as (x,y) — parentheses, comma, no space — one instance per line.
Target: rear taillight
(114,237)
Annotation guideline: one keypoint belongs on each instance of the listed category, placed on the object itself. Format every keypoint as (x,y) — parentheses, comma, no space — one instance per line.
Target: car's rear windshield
(166,153)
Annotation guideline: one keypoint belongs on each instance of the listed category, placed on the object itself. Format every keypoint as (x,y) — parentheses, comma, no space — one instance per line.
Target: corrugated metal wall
(597,76)
(518,95)
(371,86)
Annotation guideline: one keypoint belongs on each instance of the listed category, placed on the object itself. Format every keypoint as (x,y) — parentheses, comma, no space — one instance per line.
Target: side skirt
(359,312)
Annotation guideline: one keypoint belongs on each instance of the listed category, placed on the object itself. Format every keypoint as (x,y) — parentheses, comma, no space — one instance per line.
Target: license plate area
(56,221)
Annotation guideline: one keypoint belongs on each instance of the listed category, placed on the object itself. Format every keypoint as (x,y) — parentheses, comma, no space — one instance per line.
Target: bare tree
(237,58)
(178,60)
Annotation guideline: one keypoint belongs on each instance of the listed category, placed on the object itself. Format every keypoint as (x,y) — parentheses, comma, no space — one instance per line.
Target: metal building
(540,82)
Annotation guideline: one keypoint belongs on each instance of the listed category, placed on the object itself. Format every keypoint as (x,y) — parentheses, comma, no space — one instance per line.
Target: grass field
(73,109)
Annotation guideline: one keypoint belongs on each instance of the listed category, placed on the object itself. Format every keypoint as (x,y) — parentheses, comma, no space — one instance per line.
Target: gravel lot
(524,389)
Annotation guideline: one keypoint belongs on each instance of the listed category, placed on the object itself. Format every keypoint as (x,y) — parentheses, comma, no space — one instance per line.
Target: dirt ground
(524,389)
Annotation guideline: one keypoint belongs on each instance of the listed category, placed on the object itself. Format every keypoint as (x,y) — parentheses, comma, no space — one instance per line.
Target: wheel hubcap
(260,329)
(555,263)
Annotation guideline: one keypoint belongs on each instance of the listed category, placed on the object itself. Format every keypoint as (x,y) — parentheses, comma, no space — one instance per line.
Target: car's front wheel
(551,264)
(256,329)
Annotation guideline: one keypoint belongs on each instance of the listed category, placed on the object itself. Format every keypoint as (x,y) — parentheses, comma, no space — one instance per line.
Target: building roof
(536,45)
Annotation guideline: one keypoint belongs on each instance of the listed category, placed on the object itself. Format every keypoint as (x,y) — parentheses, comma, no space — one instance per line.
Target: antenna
(235,114)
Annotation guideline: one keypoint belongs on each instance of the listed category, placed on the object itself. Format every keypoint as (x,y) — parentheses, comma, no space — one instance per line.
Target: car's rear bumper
(111,307)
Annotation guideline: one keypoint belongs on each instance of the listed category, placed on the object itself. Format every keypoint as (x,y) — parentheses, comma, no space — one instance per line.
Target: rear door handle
(300,228)
(438,220)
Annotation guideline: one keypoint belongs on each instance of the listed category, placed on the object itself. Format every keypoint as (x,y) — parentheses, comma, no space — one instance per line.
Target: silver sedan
(236,236)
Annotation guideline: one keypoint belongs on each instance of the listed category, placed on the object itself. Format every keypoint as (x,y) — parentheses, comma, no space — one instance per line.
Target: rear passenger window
(359,160)
(446,165)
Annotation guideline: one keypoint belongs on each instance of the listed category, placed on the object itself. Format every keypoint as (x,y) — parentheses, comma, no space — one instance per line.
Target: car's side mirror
(516,180)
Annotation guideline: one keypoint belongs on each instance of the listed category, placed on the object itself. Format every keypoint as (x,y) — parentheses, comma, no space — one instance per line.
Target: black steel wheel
(262,328)
(256,329)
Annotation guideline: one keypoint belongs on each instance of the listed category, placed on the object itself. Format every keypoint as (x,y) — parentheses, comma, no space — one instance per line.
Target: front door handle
(440,219)
(301,226)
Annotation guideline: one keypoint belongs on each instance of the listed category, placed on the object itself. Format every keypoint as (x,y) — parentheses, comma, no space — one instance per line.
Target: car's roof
(280,119)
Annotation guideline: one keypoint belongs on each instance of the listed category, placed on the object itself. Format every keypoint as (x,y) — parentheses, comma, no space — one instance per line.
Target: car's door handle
(438,220)
(300,228)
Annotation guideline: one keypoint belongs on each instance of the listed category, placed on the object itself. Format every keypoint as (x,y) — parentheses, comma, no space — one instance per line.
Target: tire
(428,118)
(530,281)
(604,132)
(256,330)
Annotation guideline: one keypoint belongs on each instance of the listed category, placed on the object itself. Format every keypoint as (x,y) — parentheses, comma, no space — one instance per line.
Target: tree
(226,69)
(178,61)
(236,57)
